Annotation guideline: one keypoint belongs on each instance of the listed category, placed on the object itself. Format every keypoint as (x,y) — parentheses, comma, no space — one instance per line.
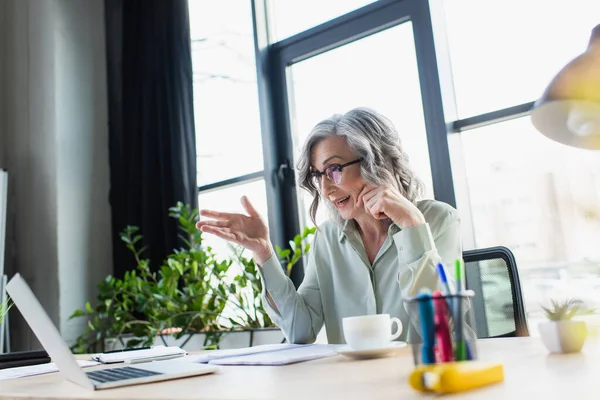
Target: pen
(133,349)
(460,343)
(153,358)
(427,326)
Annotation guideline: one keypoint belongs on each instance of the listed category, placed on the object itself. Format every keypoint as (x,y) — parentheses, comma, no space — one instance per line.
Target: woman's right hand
(249,231)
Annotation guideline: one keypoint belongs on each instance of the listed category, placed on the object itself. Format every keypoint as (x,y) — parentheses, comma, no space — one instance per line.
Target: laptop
(41,324)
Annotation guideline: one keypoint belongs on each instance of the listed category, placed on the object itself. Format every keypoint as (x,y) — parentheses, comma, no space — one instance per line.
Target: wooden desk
(530,373)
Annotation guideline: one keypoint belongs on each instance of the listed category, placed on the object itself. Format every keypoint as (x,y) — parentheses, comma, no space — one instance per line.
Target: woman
(382,244)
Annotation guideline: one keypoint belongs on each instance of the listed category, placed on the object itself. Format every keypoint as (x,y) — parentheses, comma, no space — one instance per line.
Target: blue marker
(443,278)
(427,326)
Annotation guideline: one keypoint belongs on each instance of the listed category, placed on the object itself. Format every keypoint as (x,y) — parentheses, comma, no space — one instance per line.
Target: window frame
(272,62)
(435,77)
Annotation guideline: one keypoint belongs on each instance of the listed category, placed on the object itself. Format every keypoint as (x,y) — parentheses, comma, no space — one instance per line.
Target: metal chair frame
(473,280)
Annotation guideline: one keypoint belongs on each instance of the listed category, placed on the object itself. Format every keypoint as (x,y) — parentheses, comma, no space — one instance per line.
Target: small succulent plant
(565,310)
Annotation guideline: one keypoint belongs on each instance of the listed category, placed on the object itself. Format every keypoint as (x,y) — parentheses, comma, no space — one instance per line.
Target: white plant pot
(235,340)
(186,342)
(563,336)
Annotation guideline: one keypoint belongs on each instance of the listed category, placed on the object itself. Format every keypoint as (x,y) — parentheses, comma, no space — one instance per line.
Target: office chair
(498,302)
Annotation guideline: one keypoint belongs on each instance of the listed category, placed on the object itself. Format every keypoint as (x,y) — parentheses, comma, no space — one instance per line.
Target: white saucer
(386,351)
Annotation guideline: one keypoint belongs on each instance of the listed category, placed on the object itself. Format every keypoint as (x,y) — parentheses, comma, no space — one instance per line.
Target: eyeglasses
(333,173)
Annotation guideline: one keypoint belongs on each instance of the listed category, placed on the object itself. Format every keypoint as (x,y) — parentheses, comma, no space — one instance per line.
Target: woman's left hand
(387,202)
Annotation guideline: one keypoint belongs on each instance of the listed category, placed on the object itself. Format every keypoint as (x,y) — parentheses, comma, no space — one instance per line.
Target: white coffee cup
(370,331)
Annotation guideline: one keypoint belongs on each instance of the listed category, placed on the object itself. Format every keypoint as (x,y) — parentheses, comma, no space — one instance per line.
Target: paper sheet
(30,370)
(280,357)
(208,355)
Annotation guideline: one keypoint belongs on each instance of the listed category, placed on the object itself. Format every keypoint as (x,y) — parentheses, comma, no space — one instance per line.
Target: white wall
(55,129)
(82,155)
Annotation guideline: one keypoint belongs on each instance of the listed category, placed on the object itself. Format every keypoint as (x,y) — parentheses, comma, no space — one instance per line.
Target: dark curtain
(151,122)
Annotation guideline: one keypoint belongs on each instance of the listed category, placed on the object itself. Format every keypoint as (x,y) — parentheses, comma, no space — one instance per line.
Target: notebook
(135,356)
(41,324)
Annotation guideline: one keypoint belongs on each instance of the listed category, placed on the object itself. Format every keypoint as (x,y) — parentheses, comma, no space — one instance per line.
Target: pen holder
(442,328)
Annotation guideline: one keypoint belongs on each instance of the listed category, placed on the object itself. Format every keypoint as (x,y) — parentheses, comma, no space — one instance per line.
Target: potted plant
(193,301)
(562,334)
(246,294)
(185,296)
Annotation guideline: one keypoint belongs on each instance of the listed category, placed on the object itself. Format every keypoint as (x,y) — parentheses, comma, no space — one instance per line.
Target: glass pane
(228,200)
(348,77)
(294,16)
(540,199)
(225,91)
(492,303)
(506,52)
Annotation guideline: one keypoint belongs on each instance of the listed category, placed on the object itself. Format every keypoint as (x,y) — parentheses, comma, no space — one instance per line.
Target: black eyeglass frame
(316,175)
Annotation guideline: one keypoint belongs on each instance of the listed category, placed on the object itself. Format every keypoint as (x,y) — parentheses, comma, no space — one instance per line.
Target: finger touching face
(366,193)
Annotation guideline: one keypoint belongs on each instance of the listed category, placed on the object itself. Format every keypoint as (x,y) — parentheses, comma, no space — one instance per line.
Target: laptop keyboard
(119,374)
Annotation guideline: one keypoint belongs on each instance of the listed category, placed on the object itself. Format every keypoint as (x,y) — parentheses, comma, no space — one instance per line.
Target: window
(515,187)
(533,195)
(504,53)
(225,92)
(540,199)
(294,16)
(364,73)
(227,119)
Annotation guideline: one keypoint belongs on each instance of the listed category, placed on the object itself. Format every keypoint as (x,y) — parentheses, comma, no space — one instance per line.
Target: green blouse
(340,281)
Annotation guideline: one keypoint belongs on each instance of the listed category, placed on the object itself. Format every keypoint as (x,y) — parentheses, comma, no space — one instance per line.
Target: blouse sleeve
(299,314)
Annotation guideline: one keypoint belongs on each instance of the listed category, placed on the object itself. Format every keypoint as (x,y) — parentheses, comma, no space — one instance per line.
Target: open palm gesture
(249,231)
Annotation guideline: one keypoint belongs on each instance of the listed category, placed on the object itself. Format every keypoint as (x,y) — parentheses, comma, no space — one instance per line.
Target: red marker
(443,341)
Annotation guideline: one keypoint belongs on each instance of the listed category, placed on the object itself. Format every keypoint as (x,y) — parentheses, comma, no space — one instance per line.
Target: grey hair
(372,137)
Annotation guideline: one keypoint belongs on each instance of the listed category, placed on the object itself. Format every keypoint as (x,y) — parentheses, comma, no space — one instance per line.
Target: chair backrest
(498,301)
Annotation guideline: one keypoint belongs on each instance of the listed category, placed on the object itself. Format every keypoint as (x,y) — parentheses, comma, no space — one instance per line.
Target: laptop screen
(43,328)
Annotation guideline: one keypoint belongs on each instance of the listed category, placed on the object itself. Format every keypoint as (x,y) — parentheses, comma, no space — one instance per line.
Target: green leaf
(306,231)
(285,253)
(78,313)
(566,310)
(132,343)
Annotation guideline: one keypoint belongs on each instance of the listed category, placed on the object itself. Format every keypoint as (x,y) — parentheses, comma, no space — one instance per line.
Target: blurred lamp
(569,110)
